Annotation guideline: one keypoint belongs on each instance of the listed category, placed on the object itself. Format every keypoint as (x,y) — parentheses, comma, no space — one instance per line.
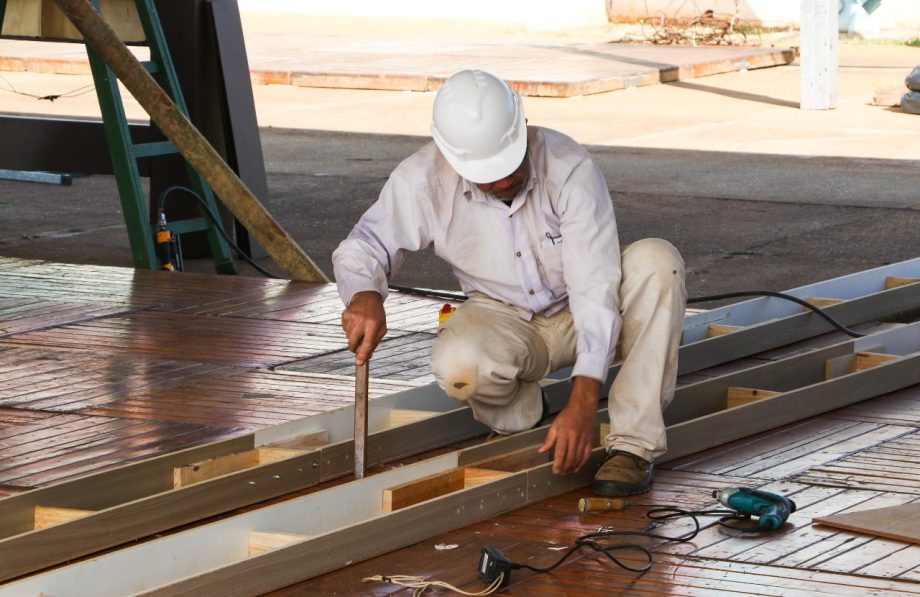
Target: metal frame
(335,527)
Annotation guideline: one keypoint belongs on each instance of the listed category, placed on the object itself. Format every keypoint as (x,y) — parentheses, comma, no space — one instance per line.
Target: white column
(818,54)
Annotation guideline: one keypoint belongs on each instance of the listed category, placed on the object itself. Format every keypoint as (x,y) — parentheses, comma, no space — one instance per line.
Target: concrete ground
(754,192)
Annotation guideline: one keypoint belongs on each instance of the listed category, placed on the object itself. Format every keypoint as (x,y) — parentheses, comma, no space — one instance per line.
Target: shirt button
(530,292)
(518,254)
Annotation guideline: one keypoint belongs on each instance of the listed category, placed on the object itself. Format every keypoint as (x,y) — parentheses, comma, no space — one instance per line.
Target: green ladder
(125,153)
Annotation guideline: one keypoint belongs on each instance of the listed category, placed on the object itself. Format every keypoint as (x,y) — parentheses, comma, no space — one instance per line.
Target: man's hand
(573,431)
(365,324)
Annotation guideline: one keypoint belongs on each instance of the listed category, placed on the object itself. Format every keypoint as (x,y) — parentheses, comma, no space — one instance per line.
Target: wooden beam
(350,524)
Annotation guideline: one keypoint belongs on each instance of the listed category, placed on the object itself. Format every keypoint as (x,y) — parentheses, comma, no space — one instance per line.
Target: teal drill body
(771,510)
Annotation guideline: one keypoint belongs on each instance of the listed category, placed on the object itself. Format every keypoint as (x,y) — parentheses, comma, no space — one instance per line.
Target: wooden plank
(740,396)
(46,516)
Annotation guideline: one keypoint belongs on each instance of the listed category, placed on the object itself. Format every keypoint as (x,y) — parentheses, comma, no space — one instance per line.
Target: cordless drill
(771,510)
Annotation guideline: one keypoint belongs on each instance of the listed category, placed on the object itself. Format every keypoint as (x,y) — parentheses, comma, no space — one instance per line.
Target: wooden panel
(889,466)
(321,304)
(894,522)
(69,380)
(239,399)
(90,284)
(897,408)
(23,17)
(239,342)
(67,445)
(406,357)
(24,314)
(788,450)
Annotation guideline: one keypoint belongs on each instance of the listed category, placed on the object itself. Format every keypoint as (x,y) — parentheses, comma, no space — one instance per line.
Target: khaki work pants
(490,357)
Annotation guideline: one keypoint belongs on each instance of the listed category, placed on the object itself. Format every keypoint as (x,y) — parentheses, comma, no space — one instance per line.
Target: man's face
(507,188)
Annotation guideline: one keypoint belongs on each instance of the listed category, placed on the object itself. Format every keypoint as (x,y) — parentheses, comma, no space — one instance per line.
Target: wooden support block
(717,329)
(398,417)
(261,542)
(868,360)
(515,461)
(821,302)
(432,486)
(741,396)
(894,282)
(46,516)
(308,441)
(854,363)
(223,465)
(473,476)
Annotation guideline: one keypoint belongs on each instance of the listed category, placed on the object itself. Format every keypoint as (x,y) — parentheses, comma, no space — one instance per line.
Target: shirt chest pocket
(550,258)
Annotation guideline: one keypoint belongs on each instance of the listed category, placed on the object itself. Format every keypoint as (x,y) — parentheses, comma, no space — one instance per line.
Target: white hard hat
(478,124)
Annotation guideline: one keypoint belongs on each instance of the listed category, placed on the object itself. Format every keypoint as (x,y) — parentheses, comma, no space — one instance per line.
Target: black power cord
(493,561)
(699,299)
(214,220)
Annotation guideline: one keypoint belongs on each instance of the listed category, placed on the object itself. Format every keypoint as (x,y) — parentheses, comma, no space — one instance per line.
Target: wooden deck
(102,366)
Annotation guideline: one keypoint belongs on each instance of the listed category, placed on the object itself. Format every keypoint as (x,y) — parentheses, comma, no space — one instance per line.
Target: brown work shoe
(623,474)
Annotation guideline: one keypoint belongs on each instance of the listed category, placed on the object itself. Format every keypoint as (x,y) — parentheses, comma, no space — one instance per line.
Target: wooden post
(191,143)
(818,54)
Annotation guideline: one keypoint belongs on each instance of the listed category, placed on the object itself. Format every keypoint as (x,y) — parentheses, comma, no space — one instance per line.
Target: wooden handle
(593,504)
(361,390)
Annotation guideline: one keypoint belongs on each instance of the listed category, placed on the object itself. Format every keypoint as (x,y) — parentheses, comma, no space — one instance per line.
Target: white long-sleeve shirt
(554,247)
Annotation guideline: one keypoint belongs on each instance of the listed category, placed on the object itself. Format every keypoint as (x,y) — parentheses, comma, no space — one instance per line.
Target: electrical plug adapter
(492,564)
